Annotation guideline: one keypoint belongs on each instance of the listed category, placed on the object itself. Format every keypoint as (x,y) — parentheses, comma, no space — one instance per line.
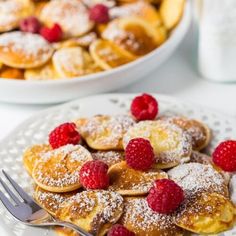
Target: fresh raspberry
(93,175)
(119,230)
(165,197)
(224,155)
(144,107)
(139,154)
(99,14)
(30,24)
(64,134)
(53,34)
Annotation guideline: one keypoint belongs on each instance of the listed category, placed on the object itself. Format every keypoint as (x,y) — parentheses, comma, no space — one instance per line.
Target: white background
(178,77)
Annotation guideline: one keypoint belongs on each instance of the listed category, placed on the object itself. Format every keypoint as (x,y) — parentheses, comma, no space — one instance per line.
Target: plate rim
(109,96)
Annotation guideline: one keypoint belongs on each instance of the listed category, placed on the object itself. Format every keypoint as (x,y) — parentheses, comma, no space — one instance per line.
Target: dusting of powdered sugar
(113,127)
(9,11)
(138,214)
(109,157)
(72,15)
(76,154)
(232,188)
(196,177)
(52,200)
(108,201)
(30,45)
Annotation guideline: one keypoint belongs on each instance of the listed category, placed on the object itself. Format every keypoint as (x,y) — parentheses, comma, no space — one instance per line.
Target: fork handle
(68,225)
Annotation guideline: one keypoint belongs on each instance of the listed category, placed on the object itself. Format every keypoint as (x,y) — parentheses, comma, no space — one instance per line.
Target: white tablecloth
(177,77)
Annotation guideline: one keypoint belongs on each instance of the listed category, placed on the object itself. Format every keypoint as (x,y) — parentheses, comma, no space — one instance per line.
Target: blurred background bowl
(45,92)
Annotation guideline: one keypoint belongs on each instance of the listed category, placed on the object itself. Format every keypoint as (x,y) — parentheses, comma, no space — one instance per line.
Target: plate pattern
(36,129)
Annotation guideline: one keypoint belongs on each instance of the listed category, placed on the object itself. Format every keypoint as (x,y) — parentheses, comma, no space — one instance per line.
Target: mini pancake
(58,170)
(200,132)
(11,73)
(12,11)
(140,9)
(196,178)
(201,158)
(108,55)
(207,213)
(72,62)
(52,202)
(171,12)
(109,157)
(94,211)
(103,132)
(24,50)
(33,154)
(130,182)
(143,221)
(71,15)
(134,35)
(45,72)
(170,143)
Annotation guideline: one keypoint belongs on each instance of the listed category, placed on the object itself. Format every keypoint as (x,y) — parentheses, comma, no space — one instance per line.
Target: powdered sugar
(9,11)
(141,216)
(106,130)
(71,15)
(196,177)
(109,157)
(31,46)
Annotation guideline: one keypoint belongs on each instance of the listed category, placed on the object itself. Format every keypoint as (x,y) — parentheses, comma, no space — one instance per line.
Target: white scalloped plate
(36,129)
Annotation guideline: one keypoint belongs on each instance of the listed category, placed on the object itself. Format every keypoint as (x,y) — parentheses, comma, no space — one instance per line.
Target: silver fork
(27,211)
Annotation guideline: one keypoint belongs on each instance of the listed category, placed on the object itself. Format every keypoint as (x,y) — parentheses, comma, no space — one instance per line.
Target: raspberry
(139,154)
(53,34)
(93,175)
(99,14)
(119,230)
(64,134)
(165,197)
(224,155)
(30,24)
(144,107)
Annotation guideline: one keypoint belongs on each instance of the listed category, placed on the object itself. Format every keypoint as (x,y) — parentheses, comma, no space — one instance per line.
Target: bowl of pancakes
(90,57)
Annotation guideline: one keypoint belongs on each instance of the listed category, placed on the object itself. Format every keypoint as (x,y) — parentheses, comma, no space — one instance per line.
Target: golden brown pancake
(24,50)
(58,170)
(12,11)
(94,211)
(199,132)
(50,201)
(129,182)
(33,154)
(103,132)
(73,62)
(134,35)
(71,15)
(207,213)
(196,177)
(143,221)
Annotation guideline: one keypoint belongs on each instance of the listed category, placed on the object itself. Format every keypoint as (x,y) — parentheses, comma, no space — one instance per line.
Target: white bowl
(42,92)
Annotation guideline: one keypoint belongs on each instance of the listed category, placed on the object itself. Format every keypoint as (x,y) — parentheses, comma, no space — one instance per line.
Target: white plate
(40,92)
(36,129)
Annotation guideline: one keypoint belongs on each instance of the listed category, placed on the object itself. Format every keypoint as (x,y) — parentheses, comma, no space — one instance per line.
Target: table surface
(177,77)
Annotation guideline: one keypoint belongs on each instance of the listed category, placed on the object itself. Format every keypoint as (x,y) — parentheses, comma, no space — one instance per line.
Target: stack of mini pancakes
(134,29)
(177,142)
